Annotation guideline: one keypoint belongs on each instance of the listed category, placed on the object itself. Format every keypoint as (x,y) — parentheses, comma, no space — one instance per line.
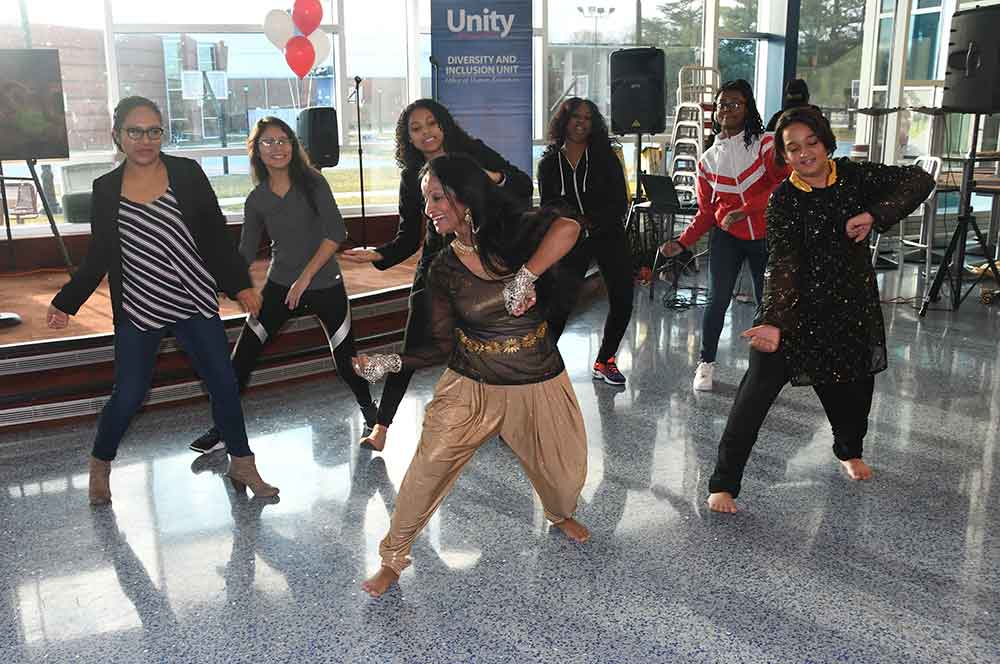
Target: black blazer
(201,214)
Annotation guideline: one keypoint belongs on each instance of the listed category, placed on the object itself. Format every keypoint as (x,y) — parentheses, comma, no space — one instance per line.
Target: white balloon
(321,44)
(279,28)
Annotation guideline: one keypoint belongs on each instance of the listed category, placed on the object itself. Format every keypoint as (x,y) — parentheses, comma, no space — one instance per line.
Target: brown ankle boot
(100,481)
(243,472)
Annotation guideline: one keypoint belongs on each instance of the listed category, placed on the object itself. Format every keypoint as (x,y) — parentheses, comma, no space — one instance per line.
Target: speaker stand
(636,197)
(953,263)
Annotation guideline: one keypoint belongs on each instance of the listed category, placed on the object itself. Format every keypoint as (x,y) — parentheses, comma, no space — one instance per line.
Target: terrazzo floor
(815,567)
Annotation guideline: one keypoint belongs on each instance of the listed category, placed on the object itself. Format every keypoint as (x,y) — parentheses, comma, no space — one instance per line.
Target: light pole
(246,106)
(594,12)
(379,110)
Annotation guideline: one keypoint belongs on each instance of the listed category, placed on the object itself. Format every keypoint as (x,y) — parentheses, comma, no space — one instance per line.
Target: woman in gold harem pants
(505,376)
(540,422)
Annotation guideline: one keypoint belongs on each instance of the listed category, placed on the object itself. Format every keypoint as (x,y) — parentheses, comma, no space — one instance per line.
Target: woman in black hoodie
(580,170)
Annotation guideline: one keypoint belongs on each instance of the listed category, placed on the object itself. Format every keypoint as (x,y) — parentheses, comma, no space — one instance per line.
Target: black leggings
(330,305)
(614,259)
(847,406)
(417,330)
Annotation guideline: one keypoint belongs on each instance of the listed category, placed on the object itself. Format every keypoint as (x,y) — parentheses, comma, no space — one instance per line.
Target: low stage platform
(60,374)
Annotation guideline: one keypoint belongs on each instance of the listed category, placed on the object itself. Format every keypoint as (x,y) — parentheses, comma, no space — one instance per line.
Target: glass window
(213,87)
(738,59)
(198,12)
(829,60)
(883,49)
(676,28)
(913,131)
(738,16)
(581,40)
(76,31)
(376,51)
(922,51)
(888,6)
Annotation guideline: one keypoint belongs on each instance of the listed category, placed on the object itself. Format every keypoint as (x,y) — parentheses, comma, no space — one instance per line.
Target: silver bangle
(380,364)
(519,290)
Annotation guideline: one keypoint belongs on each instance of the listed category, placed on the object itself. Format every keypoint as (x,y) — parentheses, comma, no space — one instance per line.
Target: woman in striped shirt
(158,233)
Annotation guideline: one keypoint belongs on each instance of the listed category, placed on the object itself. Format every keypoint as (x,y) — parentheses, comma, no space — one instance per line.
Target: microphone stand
(361,163)
(435,83)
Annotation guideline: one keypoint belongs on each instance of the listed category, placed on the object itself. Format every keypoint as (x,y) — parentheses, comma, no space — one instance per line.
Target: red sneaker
(608,372)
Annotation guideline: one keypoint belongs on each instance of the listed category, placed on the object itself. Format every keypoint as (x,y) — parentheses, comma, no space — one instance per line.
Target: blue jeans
(727,254)
(204,341)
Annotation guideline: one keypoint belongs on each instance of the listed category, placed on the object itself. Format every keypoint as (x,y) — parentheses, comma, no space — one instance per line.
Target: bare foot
(574,530)
(376,439)
(722,501)
(857,469)
(380,582)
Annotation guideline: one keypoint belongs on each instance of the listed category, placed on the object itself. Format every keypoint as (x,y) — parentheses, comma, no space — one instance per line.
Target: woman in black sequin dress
(820,322)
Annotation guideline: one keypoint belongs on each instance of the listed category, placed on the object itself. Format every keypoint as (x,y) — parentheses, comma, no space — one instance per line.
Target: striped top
(164,279)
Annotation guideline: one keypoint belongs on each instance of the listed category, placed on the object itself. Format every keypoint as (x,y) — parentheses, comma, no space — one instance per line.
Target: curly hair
(455,138)
(599,136)
(753,125)
(300,169)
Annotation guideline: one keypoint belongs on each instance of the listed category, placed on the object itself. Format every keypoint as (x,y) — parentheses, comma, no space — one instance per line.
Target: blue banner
(483,51)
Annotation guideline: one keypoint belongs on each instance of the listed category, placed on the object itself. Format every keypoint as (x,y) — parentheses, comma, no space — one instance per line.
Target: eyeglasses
(730,105)
(271,143)
(136,133)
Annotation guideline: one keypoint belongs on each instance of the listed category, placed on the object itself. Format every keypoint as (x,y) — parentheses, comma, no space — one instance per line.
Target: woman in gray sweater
(294,203)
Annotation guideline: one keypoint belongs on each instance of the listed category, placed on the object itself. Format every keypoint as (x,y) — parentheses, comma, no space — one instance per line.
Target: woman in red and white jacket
(736,176)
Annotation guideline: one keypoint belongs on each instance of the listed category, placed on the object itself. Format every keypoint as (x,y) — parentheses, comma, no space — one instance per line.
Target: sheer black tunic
(820,288)
(470,327)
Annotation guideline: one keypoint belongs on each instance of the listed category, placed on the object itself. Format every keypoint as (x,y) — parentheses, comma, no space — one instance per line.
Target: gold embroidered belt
(507,345)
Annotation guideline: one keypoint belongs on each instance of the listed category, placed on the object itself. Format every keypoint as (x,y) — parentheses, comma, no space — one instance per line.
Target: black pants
(847,406)
(330,305)
(614,260)
(417,331)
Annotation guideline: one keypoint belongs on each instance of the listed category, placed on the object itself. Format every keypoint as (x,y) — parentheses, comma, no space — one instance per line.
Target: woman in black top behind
(820,321)
(580,170)
(426,130)
(158,233)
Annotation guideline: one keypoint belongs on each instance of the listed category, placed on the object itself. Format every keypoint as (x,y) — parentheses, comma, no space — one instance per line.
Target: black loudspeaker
(638,91)
(318,134)
(972,77)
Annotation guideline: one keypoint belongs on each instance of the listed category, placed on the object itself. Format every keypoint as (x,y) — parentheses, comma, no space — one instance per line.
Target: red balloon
(307,15)
(300,55)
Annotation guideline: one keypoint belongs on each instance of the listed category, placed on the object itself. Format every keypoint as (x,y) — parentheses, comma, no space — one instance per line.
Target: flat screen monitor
(32,112)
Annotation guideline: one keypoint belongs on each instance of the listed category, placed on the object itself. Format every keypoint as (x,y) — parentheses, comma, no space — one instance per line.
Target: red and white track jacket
(732,176)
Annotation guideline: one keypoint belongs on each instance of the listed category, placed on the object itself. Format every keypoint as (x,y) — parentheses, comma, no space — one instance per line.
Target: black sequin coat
(820,288)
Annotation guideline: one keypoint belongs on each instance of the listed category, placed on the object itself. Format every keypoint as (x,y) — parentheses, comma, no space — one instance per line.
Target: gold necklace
(463,248)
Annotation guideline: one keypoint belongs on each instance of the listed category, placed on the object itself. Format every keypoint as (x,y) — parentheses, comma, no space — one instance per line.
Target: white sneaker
(703,376)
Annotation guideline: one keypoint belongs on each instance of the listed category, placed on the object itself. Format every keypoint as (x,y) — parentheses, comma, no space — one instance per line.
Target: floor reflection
(183,568)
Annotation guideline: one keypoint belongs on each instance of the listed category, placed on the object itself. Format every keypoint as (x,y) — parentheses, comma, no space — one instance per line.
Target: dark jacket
(598,192)
(202,216)
(516,184)
(821,290)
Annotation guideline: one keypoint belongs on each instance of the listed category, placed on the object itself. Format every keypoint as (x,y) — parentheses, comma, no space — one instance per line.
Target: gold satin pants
(540,422)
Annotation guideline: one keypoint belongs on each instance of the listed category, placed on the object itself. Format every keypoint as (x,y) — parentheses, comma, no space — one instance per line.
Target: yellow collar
(799,183)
